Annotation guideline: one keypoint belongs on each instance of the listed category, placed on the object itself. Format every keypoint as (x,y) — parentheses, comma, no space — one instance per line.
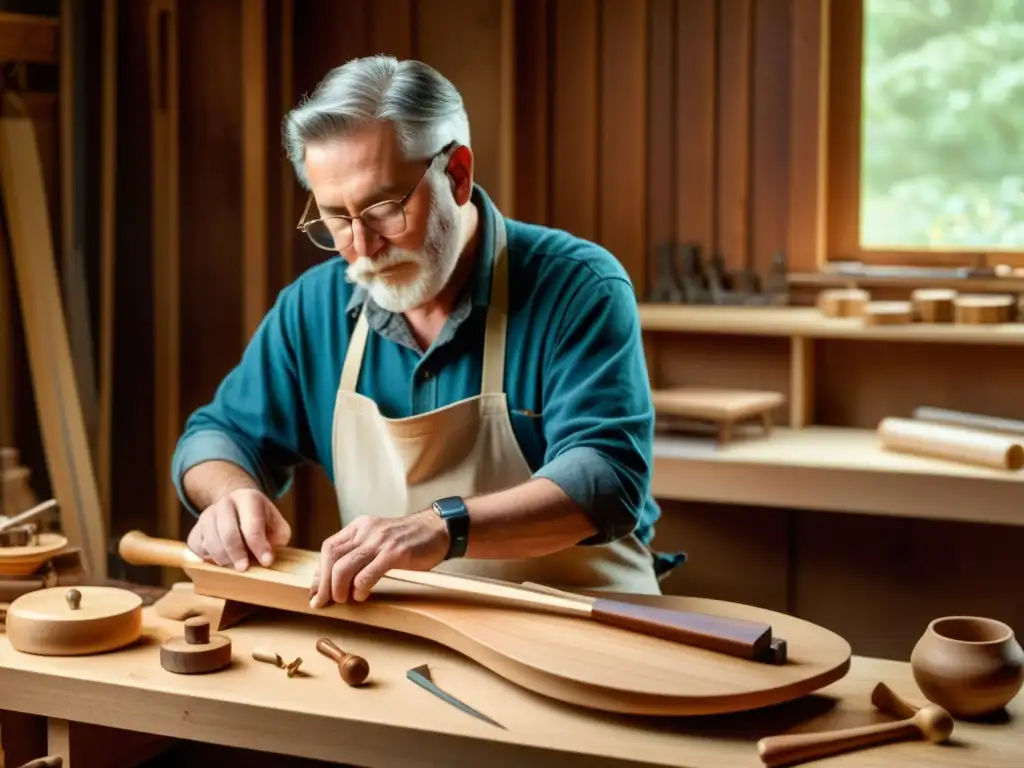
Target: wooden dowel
(969,420)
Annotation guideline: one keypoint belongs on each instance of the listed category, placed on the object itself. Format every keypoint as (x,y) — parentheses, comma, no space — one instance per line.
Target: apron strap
(493,379)
(354,356)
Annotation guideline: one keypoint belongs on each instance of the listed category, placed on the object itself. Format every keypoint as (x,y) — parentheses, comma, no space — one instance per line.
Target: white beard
(435,261)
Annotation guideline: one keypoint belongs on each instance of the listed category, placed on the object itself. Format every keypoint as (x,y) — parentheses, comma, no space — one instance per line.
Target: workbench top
(392,722)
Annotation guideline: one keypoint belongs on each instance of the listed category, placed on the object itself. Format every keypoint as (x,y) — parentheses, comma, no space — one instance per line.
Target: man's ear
(460,173)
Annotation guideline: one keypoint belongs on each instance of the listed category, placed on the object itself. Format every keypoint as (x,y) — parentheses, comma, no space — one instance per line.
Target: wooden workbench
(392,722)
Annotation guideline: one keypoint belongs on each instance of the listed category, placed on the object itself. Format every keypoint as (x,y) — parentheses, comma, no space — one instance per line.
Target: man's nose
(365,242)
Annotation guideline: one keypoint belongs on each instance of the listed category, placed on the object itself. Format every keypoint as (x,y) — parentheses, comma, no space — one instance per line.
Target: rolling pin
(969,420)
(953,443)
(932,723)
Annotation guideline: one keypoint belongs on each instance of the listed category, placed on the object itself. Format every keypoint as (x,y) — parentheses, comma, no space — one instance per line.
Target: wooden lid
(74,621)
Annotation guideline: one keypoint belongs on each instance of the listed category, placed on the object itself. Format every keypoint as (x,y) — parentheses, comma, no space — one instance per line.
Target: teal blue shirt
(575,374)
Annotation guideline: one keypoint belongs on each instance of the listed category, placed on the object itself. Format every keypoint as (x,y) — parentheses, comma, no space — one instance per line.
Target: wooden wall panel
(574,169)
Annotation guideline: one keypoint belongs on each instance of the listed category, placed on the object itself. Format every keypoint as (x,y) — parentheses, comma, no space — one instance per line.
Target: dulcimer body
(555,648)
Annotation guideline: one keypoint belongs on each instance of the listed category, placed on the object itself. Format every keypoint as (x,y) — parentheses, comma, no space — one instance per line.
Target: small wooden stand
(197,652)
(724,407)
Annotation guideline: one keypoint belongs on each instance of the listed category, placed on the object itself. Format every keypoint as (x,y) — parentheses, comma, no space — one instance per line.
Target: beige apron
(395,467)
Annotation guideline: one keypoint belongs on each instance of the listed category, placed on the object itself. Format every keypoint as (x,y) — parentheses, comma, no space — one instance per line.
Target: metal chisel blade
(421,676)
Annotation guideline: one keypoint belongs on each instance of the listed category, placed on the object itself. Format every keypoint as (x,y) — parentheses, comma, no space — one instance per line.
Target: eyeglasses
(386,218)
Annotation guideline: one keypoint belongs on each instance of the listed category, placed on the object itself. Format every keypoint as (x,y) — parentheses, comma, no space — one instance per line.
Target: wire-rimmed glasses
(387,218)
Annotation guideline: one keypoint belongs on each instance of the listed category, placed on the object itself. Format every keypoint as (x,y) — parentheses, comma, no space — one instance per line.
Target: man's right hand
(242,524)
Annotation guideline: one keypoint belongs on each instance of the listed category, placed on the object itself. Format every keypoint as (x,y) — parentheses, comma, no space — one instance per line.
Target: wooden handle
(776,751)
(137,548)
(736,637)
(28,515)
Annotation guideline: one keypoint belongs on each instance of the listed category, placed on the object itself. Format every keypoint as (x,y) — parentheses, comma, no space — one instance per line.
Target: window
(926,131)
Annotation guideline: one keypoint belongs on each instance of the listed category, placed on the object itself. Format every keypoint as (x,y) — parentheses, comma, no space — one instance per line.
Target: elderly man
(474,386)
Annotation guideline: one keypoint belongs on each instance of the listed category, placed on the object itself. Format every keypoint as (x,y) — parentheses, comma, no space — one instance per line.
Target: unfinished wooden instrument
(579,649)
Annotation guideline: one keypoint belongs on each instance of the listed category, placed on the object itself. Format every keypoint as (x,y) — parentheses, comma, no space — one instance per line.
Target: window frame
(845,66)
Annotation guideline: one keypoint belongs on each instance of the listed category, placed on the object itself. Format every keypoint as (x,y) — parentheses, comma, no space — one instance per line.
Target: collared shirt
(575,374)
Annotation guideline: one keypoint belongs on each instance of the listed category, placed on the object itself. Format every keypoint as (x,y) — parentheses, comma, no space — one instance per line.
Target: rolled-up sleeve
(598,415)
(257,417)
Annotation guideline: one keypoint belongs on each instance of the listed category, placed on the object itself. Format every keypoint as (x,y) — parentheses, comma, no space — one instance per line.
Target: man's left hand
(354,559)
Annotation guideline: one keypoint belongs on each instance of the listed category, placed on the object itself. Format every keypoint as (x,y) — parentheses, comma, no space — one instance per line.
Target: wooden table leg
(94,746)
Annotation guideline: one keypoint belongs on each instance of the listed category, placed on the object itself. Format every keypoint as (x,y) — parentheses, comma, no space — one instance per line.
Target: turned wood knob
(197,631)
(74,598)
(353,669)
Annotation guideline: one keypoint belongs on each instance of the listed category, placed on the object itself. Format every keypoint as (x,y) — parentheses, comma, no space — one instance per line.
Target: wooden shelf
(807,323)
(833,469)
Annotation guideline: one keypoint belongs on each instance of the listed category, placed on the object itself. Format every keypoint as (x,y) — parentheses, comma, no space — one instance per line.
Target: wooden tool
(198,652)
(842,302)
(932,723)
(888,313)
(19,530)
(353,669)
(74,622)
(933,305)
(561,655)
(983,309)
(954,443)
(724,407)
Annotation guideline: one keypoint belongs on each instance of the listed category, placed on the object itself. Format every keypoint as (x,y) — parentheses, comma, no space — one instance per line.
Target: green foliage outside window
(942,161)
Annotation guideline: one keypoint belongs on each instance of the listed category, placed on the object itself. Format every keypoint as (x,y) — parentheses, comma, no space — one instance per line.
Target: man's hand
(361,553)
(242,524)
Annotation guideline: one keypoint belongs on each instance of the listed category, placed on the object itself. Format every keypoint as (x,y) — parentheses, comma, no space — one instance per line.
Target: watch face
(449,505)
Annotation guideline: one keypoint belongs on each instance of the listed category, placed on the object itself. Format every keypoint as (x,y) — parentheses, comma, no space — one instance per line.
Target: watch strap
(453,511)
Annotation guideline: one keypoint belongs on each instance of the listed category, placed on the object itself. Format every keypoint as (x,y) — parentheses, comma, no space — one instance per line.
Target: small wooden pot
(970,666)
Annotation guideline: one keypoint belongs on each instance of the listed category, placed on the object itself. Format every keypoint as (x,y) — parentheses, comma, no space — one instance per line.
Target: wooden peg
(353,669)
(197,652)
(932,723)
(268,657)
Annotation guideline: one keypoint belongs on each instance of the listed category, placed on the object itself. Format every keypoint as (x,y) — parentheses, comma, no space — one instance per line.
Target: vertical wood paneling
(574,133)
(770,139)
(622,113)
(468,45)
(696,38)
(391,28)
(532,113)
(661,123)
(164,97)
(254,232)
(808,134)
(733,132)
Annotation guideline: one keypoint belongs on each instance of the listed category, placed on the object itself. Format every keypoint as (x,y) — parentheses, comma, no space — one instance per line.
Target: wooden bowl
(969,665)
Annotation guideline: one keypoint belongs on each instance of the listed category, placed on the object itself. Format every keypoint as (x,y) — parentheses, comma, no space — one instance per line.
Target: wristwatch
(452,509)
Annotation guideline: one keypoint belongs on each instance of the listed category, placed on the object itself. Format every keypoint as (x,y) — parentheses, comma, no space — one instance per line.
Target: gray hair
(425,108)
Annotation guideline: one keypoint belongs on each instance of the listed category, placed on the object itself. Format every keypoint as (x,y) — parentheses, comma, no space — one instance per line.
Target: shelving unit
(826,468)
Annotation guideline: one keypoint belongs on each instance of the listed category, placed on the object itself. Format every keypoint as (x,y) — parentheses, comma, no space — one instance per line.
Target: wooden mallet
(932,723)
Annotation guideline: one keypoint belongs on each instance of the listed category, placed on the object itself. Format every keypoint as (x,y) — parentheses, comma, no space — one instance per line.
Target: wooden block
(842,302)
(888,313)
(197,652)
(983,309)
(933,305)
